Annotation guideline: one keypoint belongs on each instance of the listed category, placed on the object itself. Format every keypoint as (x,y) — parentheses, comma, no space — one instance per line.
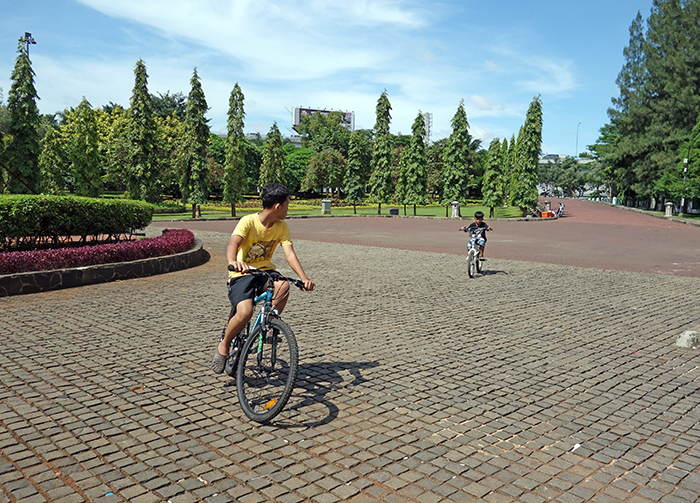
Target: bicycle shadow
(309,406)
(486,272)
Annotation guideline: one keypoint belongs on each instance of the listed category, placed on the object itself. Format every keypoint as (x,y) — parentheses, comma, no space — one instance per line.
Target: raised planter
(43,281)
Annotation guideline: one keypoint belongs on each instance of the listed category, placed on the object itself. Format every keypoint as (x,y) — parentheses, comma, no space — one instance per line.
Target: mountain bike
(474,251)
(264,357)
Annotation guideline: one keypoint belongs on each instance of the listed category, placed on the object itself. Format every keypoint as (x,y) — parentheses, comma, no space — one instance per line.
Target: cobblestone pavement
(532,382)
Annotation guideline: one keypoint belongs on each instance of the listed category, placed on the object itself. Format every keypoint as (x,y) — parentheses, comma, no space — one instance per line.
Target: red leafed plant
(170,242)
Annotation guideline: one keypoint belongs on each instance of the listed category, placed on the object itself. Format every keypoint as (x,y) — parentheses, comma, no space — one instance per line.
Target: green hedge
(29,221)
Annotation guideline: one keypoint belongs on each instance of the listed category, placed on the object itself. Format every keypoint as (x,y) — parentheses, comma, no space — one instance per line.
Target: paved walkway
(532,382)
(589,235)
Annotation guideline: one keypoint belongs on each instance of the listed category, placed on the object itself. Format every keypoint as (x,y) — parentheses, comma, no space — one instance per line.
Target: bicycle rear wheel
(471,263)
(267,372)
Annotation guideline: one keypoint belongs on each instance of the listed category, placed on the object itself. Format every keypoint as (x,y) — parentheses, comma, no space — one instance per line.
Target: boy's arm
(231,252)
(294,263)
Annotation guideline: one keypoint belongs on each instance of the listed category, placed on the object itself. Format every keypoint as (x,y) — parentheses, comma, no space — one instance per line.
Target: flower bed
(170,242)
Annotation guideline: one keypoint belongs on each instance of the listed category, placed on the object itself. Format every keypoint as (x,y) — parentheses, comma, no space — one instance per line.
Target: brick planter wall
(42,281)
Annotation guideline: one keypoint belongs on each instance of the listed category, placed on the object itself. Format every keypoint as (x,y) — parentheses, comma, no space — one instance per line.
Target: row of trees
(655,121)
(162,144)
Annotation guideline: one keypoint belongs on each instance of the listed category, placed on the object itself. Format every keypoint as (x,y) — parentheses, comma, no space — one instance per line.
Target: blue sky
(338,54)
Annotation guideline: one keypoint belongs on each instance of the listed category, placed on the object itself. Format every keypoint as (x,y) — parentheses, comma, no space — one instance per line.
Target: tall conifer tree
(272,167)
(455,174)
(411,187)
(84,150)
(143,179)
(234,166)
(196,145)
(21,154)
(380,183)
(492,184)
(529,144)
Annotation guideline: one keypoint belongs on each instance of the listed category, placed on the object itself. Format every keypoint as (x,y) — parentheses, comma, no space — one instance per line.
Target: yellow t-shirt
(259,243)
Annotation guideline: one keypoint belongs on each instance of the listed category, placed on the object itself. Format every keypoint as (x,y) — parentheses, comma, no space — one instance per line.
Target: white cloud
(277,39)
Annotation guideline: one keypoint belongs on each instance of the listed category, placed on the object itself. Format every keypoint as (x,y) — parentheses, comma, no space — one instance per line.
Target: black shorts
(245,287)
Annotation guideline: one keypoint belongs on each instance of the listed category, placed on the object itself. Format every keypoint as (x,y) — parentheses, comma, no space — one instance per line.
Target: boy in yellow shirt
(252,244)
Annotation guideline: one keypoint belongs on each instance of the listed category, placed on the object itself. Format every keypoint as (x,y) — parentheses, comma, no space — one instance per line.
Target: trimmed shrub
(29,222)
(170,242)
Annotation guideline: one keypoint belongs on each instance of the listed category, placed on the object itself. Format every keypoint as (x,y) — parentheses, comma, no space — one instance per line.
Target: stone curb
(43,281)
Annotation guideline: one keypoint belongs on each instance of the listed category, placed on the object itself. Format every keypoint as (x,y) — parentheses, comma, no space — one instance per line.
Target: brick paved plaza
(532,382)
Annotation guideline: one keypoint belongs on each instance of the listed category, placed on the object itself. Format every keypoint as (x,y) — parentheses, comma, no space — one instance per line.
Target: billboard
(348,118)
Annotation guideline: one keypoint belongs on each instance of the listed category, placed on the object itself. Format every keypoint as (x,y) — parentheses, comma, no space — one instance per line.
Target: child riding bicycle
(478,223)
(252,243)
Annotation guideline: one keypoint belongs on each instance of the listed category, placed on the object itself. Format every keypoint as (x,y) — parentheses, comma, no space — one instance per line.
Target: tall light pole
(28,39)
(576,153)
(686,161)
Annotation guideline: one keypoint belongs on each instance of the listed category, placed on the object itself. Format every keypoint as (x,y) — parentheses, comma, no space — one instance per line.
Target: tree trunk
(491,212)
(354,208)
(233,210)
(414,210)
(379,209)
(404,210)
(194,210)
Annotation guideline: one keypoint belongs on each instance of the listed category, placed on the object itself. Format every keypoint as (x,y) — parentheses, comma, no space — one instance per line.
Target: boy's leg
(281,295)
(244,311)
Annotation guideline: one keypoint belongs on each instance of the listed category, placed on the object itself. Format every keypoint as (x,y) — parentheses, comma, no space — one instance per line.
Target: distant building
(428,118)
(300,112)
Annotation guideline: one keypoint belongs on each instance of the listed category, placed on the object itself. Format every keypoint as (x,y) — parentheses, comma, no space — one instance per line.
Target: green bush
(28,222)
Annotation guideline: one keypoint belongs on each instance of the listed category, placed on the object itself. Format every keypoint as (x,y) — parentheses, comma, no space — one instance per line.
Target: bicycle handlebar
(273,275)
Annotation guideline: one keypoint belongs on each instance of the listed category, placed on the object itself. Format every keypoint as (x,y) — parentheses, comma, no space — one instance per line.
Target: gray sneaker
(218,362)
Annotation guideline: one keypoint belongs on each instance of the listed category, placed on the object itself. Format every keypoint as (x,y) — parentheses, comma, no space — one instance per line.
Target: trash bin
(326,207)
(394,211)
(455,209)
(669,209)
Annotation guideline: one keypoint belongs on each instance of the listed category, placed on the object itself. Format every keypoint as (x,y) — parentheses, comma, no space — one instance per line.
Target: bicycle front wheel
(478,261)
(471,263)
(267,370)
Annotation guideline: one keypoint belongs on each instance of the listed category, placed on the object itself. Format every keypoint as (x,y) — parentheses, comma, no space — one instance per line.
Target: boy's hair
(479,214)
(273,193)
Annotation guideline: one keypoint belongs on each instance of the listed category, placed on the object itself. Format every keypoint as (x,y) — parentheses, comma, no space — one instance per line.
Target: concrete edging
(43,281)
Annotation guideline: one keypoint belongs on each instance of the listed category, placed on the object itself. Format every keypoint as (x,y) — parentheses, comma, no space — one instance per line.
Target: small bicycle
(474,251)
(264,357)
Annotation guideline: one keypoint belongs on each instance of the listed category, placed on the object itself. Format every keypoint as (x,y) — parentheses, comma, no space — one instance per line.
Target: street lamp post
(576,153)
(685,175)
(28,39)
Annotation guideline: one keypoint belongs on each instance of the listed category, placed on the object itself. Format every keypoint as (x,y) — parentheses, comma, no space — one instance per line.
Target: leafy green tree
(524,186)
(359,157)
(272,167)
(326,170)
(53,162)
(84,150)
(234,166)
(659,97)
(296,162)
(455,174)
(164,105)
(170,147)
(434,166)
(196,146)
(21,154)
(113,128)
(325,132)
(411,187)
(143,178)
(381,186)
(492,186)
